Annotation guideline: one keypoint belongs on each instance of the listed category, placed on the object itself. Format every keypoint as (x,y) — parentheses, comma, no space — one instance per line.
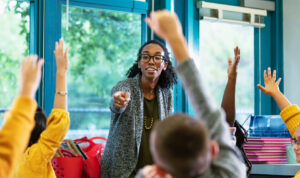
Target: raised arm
(228,101)
(61,56)
(58,122)
(170,30)
(227,164)
(271,88)
(290,114)
(16,131)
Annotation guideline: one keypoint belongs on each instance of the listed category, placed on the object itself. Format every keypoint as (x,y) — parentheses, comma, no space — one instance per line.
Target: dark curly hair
(167,77)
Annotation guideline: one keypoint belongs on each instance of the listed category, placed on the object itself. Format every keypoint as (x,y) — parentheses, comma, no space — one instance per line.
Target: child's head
(296,142)
(40,125)
(181,145)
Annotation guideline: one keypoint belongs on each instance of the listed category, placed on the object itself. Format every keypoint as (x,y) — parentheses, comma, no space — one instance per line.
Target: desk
(278,170)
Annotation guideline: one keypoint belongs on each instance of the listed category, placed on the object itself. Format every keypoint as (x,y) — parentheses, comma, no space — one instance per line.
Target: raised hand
(271,85)
(228,101)
(121,99)
(61,57)
(165,24)
(30,75)
(232,67)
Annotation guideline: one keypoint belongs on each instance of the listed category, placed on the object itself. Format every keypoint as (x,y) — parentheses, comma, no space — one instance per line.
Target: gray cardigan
(227,164)
(122,147)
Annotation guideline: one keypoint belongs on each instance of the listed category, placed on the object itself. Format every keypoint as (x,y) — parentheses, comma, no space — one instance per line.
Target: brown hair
(181,145)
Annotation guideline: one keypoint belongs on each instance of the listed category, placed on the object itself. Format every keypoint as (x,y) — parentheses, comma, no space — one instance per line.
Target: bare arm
(228,101)
(271,88)
(61,55)
(166,25)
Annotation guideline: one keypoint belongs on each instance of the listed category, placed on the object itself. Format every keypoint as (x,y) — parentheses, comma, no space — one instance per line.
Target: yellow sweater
(291,116)
(15,133)
(36,161)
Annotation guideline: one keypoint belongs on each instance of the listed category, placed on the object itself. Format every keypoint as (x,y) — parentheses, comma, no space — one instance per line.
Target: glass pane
(14,35)
(217,41)
(102,46)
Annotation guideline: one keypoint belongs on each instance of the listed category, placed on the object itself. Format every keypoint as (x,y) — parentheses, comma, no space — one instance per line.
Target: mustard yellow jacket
(36,162)
(291,116)
(15,133)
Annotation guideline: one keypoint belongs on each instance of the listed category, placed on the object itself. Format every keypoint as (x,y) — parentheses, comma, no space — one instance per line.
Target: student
(45,141)
(180,145)
(290,114)
(19,121)
(228,104)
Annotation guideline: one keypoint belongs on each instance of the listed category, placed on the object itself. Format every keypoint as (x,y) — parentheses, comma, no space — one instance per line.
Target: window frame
(271,51)
(45,29)
(52,26)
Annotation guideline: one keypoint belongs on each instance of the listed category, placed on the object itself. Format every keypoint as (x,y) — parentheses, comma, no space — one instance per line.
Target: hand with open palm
(271,85)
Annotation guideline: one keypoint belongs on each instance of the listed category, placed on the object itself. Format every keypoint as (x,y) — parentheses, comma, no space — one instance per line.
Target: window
(217,41)
(102,47)
(14,35)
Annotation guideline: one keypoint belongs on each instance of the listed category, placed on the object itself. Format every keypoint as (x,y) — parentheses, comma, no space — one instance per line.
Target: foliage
(103,45)
(13,46)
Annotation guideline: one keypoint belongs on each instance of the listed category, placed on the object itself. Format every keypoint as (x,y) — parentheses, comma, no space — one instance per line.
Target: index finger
(61,43)
(236,50)
(116,94)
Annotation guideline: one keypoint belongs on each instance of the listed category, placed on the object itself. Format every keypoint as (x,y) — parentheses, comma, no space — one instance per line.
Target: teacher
(138,102)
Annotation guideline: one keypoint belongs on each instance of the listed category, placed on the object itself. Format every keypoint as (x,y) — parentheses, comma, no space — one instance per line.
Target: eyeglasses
(157,58)
(294,142)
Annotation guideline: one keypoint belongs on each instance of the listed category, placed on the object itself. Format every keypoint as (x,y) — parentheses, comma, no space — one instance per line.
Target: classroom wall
(291,45)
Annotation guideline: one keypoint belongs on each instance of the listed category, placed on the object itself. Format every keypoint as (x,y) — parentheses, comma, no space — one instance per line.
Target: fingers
(229,62)
(278,81)
(66,52)
(150,172)
(269,73)
(149,22)
(33,58)
(274,76)
(30,75)
(237,51)
(59,46)
(236,57)
(236,60)
(30,61)
(269,76)
(125,95)
(121,99)
(261,88)
(61,43)
(40,64)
